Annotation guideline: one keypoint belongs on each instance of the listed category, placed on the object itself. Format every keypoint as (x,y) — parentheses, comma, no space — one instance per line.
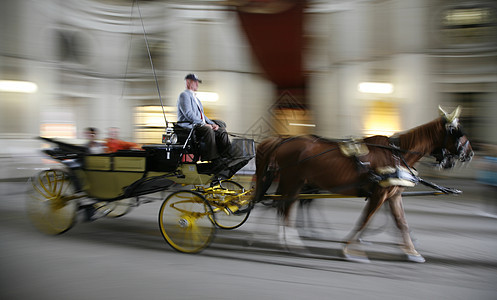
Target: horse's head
(455,144)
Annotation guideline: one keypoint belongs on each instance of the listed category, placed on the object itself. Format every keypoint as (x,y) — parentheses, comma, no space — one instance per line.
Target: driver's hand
(213,126)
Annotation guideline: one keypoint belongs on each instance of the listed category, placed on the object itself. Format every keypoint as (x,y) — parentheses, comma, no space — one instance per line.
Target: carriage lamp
(169,137)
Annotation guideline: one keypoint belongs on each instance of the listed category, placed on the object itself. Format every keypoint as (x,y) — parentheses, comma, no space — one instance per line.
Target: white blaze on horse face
(452,124)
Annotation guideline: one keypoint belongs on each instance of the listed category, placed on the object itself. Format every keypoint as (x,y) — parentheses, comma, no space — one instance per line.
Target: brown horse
(317,162)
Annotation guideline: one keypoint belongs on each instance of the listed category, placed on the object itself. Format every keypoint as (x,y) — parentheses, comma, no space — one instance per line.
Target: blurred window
(55,130)
(469,25)
(140,55)
(150,123)
(73,47)
(475,116)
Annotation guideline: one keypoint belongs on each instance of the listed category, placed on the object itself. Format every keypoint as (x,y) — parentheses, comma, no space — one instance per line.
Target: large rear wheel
(51,204)
(185,221)
(230,204)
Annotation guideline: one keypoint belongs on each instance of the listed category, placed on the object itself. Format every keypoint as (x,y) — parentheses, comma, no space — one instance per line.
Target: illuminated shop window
(288,121)
(382,118)
(54,130)
(150,123)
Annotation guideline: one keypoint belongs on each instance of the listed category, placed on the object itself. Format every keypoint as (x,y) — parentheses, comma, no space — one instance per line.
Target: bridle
(445,158)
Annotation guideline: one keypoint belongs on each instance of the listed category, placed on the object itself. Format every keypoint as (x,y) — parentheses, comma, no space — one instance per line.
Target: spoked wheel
(230,204)
(185,221)
(51,204)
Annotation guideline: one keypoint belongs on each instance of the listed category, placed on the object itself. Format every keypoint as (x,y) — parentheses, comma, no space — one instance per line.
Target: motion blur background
(336,68)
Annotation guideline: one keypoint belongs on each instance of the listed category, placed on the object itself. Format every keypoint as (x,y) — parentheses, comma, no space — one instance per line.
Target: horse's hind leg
(289,188)
(397,209)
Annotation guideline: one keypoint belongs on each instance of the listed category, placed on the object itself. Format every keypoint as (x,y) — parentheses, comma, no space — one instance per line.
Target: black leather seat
(190,141)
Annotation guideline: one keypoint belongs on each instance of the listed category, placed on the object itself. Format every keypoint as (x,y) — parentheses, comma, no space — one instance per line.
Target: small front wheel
(230,203)
(185,221)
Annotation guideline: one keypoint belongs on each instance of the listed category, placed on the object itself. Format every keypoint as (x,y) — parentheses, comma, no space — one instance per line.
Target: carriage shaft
(316,196)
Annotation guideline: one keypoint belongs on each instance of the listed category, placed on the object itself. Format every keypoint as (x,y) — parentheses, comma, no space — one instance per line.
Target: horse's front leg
(374,203)
(397,209)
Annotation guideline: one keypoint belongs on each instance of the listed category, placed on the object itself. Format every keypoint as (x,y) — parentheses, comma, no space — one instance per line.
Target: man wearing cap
(191,113)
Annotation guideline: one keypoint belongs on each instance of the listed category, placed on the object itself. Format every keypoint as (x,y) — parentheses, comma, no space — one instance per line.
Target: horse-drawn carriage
(378,168)
(202,195)
(110,184)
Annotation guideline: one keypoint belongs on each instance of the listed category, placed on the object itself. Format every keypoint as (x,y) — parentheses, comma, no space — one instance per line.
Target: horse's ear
(442,112)
(452,116)
(456,113)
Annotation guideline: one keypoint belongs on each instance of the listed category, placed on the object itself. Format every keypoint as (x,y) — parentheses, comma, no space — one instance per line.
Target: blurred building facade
(90,63)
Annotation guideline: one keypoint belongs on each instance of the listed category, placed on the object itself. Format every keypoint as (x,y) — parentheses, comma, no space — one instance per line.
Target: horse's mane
(421,138)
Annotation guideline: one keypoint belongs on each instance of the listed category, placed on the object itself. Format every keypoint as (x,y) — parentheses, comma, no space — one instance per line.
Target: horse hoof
(290,237)
(415,258)
(355,255)
(355,258)
(365,242)
(295,246)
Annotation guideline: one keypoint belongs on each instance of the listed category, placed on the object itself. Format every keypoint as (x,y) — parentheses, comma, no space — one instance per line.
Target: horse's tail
(266,166)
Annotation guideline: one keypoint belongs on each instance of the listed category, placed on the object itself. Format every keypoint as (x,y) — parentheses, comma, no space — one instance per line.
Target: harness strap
(442,189)
(394,141)
(415,178)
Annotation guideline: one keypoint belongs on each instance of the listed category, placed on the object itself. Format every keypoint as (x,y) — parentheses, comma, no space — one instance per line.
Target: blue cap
(193,77)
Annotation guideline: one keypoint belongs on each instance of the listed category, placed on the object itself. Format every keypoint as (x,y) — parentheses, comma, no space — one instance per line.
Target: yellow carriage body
(107,175)
(129,173)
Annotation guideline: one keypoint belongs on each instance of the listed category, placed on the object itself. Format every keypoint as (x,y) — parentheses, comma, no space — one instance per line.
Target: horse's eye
(455,131)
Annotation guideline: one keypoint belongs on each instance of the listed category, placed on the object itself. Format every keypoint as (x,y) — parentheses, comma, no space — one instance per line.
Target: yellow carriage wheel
(230,209)
(185,221)
(50,203)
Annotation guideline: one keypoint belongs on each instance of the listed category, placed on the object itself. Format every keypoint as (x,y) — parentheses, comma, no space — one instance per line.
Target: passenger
(94,146)
(114,144)
(213,134)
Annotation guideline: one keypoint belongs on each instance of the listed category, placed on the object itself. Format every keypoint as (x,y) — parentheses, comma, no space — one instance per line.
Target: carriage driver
(214,135)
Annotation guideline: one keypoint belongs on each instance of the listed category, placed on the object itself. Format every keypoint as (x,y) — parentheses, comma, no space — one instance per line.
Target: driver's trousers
(216,142)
